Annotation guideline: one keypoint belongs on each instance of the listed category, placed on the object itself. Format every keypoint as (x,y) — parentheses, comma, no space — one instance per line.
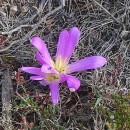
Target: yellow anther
(60,65)
(52,77)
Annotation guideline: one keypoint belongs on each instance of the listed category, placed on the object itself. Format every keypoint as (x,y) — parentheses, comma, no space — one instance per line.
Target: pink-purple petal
(62,44)
(44,83)
(47,69)
(36,78)
(32,70)
(74,35)
(40,45)
(67,42)
(87,63)
(54,88)
(40,58)
(62,78)
(73,83)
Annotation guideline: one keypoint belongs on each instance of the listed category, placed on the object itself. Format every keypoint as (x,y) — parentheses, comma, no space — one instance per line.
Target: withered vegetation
(105,31)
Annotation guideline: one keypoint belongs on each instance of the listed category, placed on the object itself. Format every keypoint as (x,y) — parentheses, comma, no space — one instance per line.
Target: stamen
(52,77)
(60,65)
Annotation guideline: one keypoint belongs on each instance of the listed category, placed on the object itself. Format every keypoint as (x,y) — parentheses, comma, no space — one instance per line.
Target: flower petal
(62,43)
(40,58)
(32,70)
(54,92)
(40,45)
(67,42)
(36,78)
(48,69)
(73,83)
(44,83)
(74,35)
(62,78)
(92,62)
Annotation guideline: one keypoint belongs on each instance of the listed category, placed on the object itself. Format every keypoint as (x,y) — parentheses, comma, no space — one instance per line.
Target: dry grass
(105,30)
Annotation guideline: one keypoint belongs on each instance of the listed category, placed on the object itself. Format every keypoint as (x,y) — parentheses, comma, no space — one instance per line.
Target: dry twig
(16,29)
(116,20)
(34,28)
(7,92)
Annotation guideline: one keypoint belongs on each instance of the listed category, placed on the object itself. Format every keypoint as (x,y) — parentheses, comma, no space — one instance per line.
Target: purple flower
(52,73)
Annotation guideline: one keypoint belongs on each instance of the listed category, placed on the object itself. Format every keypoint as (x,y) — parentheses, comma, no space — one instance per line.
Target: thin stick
(16,29)
(116,20)
(23,99)
(35,27)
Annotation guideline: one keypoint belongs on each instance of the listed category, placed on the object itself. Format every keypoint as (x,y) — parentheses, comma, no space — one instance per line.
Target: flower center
(52,77)
(60,65)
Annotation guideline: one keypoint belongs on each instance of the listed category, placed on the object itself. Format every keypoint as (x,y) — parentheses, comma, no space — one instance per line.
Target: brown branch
(15,29)
(23,99)
(107,12)
(34,28)
(7,93)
